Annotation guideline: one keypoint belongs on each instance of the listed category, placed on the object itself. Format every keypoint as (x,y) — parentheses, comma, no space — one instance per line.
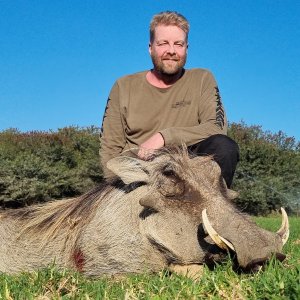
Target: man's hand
(156,141)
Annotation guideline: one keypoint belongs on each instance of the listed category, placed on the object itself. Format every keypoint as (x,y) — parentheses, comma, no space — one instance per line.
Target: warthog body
(147,221)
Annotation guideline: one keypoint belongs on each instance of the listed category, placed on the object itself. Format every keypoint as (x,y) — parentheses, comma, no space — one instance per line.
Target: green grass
(277,281)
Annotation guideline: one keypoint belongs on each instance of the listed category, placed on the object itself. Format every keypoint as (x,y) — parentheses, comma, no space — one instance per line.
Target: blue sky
(59,59)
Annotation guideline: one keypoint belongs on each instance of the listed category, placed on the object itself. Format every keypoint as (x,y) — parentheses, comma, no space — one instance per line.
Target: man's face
(168,49)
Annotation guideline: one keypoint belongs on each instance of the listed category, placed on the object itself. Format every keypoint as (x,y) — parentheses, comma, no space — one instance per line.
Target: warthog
(168,211)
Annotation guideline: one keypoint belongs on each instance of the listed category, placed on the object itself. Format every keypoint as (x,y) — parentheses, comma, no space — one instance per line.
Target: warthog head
(188,215)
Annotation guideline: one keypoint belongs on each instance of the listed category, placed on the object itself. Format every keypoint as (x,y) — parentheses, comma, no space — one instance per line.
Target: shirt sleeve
(211,117)
(112,136)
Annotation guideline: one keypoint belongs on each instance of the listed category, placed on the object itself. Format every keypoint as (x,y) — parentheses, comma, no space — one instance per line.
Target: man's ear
(129,169)
(150,48)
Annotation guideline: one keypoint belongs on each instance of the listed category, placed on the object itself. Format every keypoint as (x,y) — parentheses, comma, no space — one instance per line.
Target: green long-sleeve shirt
(187,112)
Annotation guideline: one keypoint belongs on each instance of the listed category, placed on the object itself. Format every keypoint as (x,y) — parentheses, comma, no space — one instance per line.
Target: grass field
(277,281)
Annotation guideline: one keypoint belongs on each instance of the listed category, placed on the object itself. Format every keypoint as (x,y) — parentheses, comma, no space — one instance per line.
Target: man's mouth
(170,59)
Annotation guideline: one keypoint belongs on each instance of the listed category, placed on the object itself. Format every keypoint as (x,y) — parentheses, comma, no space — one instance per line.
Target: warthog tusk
(220,241)
(284,231)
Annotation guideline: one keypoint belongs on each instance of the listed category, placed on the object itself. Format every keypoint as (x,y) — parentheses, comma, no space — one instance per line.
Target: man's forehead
(169,32)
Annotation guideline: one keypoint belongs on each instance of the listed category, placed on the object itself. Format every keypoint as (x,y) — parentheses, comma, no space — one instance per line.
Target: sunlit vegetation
(39,166)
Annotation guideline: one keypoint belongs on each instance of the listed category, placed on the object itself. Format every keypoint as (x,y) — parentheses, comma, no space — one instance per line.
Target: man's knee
(224,144)
(217,144)
(225,152)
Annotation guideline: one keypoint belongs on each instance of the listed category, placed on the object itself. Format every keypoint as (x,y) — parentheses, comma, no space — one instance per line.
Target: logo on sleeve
(219,110)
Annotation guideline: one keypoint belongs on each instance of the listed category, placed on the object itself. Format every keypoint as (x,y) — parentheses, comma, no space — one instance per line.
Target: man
(168,105)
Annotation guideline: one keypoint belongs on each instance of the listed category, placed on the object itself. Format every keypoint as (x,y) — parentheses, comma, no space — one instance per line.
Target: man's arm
(112,137)
(212,118)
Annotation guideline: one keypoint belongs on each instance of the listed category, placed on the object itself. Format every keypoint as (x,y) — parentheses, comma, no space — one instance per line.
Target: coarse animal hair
(51,218)
(169,18)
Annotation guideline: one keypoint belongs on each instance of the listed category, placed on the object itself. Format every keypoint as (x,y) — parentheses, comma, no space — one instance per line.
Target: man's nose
(171,49)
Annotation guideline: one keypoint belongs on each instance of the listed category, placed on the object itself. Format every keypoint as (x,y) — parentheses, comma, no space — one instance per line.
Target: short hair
(168,18)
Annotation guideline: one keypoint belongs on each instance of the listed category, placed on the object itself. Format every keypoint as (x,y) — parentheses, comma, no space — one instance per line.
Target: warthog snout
(251,251)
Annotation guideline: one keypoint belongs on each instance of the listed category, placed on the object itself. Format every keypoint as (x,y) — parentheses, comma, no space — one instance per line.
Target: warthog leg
(192,271)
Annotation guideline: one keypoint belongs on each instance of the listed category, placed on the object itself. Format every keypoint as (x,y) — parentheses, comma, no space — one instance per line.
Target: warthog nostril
(280,256)
(256,264)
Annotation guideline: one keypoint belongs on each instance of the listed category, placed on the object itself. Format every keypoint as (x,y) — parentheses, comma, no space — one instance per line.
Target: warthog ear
(129,169)
(232,194)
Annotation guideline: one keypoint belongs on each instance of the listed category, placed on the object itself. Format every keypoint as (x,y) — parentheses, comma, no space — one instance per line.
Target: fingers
(145,153)
(147,148)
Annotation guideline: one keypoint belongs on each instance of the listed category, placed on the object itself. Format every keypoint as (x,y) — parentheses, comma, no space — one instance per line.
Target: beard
(169,65)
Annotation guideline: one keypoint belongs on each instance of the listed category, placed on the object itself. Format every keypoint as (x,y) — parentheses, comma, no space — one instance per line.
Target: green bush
(268,175)
(37,166)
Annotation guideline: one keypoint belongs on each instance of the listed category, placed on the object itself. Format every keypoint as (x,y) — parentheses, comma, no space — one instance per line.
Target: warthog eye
(170,184)
(168,171)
